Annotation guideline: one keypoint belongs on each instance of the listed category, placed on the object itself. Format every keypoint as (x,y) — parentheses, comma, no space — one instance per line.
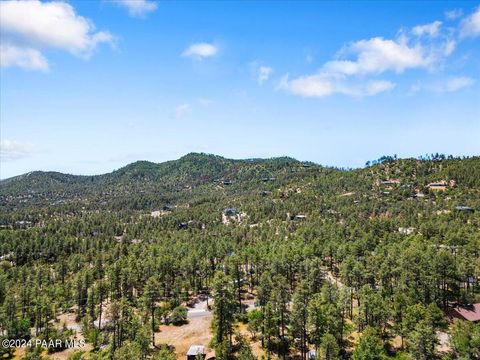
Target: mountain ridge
(192,156)
(199,176)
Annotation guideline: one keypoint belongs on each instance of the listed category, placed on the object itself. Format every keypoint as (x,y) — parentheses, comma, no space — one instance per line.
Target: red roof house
(466,312)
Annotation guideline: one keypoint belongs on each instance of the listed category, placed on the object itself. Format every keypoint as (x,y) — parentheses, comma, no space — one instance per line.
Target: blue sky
(88,87)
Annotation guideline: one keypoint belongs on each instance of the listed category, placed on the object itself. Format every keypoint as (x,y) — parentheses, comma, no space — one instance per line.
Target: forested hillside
(290,258)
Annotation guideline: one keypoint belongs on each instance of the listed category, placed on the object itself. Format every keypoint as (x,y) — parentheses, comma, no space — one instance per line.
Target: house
(183,225)
(266,179)
(24,223)
(227,182)
(230,212)
(406,231)
(464,208)
(469,312)
(299,217)
(418,194)
(195,352)
(390,182)
(440,185)
(6,256)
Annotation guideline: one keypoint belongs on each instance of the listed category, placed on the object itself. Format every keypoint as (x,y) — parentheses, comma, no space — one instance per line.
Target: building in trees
(195,352)
(466,312)
(464,208)
(440,185)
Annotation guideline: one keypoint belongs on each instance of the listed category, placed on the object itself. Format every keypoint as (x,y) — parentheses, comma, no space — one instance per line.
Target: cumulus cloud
(200,50)
(138,8)
(371,57)
(377,55)
(470,26)
(308,86)
(322,85)
(356,67)
(432,29)
(25,58)
(29,27)
(263,74)
(14,150)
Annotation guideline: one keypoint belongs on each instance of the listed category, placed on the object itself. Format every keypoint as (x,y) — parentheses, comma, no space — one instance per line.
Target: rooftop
(196,350)
(440,183)
(469,312)
(464,208)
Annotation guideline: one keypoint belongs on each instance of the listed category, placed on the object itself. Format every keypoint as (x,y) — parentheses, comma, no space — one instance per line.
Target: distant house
(406,231)
(418,194)
(390,182)
(299,217)
(466,312)
(24,223)
(196,351)
(441,185)
(231,212)
(227,182)
(183,225)
(464,208)
(6,256)
(267,179)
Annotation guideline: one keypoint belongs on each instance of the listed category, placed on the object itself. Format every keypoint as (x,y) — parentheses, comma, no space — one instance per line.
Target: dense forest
(293,260)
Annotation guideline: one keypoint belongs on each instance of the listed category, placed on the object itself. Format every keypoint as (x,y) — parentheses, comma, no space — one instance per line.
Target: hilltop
(170,178)
(200,178)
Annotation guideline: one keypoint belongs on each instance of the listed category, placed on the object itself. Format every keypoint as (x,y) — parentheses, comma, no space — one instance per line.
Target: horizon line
(383,158)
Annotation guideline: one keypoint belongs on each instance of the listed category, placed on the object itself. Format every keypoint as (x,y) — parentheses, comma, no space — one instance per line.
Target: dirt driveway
(196,332)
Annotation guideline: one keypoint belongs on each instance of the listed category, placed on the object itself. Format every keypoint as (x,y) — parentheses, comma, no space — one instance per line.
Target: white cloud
(13,150)
(447,85)
(182,110)
(138,8)
(28,27)
(200,50)
(431,29)
(458,83)
(321,85)
(354,69)
(25,58)
(378,86)
(378,55)
(308,86)
(453,14)
(470,26)
(449,46)
(263,74)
